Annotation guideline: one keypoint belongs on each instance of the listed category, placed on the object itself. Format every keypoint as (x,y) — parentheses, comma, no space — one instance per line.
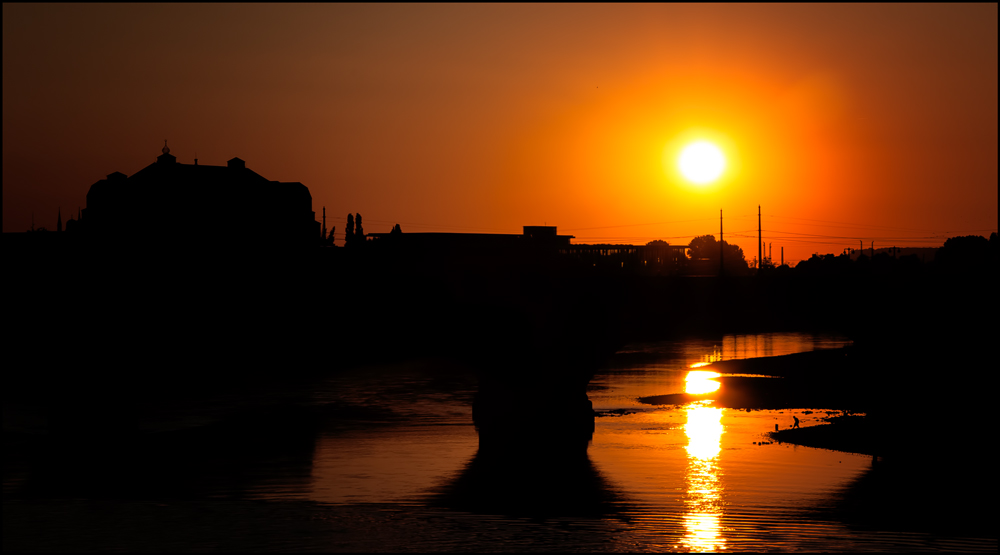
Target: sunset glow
(501,133)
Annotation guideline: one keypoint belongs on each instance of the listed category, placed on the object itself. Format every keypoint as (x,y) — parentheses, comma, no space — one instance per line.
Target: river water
(680,478)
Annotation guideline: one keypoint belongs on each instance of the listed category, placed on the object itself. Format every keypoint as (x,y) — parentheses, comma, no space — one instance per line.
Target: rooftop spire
(166,157)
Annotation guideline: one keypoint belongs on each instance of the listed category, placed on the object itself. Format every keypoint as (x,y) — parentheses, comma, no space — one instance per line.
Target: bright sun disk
(702,162)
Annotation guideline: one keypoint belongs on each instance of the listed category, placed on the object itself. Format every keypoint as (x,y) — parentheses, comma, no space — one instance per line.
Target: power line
(853,237)
(870,226)
(935,238)
(637,225)
(790,235)
(367,221)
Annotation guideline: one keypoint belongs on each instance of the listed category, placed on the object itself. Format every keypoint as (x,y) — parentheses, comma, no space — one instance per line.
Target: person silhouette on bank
(796,424)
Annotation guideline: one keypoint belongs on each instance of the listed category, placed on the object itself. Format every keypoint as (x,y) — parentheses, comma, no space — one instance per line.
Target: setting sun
(702,162)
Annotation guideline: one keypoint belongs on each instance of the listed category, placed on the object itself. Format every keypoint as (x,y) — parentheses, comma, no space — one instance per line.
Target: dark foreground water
(383,446)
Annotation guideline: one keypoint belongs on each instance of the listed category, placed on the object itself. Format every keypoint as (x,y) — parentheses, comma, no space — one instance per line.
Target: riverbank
(796,365)
(928,474)
(933,490)
(850,433)
(827,379)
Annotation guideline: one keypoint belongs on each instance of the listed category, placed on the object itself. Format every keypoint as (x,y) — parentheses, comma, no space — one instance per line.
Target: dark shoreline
(822,379)
(925,474)
(847,433)
(797,381)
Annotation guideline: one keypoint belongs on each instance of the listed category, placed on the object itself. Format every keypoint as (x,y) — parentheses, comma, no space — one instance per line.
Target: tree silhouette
(968,253)
(349,234)
(706,247)
(359,232)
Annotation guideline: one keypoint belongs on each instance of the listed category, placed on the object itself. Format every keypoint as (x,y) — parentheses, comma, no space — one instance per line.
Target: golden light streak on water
(703,502)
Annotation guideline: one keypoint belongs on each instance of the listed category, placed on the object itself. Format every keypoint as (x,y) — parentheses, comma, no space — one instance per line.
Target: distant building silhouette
(195,205)
(541,236)
(656,258)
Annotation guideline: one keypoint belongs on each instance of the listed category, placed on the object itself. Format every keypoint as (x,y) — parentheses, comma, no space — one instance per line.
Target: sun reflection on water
(704,490)
(701,381)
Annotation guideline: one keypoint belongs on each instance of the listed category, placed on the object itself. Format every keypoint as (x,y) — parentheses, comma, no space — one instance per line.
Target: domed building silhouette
(168,203)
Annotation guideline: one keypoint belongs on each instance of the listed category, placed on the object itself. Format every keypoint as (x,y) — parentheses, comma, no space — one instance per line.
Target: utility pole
(760,241)
(720,242)
(873,250)
(782,256)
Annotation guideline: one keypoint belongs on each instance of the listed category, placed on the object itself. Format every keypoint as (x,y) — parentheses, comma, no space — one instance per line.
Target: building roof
(194,201)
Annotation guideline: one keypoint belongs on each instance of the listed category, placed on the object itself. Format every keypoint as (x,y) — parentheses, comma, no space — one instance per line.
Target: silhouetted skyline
(197,206)
(871,122)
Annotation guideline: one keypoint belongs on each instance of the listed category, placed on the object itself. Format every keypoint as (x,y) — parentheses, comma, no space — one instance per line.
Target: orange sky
(843,122)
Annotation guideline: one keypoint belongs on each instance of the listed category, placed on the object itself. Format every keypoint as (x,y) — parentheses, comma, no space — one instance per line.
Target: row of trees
(963,255)
(707,248)
(355,234)
(971,253)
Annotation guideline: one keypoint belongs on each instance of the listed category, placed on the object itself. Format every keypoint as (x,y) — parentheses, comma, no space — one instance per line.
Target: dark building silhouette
(534,235)
(168,203)
(655,258)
